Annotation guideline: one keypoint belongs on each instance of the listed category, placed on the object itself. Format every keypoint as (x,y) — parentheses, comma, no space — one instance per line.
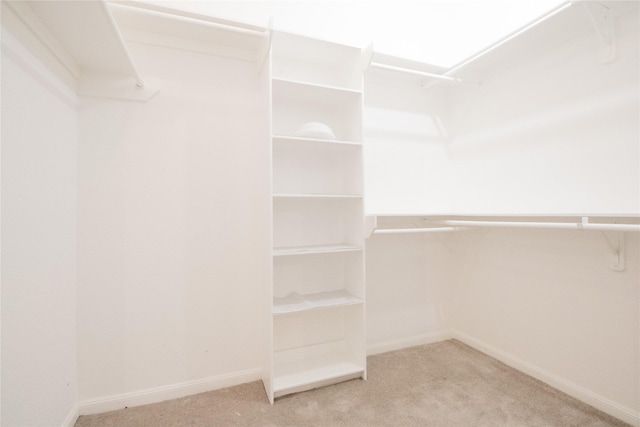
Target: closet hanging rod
(584,225)
(415,72)
(415,230)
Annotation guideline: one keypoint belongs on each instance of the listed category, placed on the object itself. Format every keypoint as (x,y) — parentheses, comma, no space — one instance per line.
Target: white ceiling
(437,32)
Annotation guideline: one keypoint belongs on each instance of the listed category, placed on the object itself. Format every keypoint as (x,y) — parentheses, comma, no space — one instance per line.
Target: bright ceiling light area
(437,32)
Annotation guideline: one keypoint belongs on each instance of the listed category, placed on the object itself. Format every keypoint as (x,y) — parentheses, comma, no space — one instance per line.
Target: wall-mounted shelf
(158,25)
(85,39)
(412,73)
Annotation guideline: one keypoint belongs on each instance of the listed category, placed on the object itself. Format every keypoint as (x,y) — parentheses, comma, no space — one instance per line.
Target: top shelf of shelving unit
(303,59)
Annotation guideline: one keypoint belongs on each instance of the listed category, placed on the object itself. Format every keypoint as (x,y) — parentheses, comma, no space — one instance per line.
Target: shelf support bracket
(616,248)
(367,56)
(265,45)
(603,21)
(369,225)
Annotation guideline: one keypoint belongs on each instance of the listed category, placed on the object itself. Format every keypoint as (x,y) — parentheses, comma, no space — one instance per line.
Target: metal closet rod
(584,225)
(415,230)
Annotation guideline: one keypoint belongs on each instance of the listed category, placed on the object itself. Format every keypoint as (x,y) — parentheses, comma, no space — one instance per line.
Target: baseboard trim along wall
(605,405)
(72,417)
(408,342)
(174,391)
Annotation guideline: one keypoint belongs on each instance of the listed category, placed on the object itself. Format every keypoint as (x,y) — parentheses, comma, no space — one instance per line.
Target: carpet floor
(444,384)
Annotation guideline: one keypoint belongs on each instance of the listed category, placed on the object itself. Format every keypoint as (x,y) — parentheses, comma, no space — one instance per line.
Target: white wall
(405,156)
(547,302)
(39,158)
(173,231)
(552,129)
(408,292)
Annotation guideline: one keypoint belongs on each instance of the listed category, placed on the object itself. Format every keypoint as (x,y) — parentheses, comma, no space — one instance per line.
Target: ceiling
(437,32)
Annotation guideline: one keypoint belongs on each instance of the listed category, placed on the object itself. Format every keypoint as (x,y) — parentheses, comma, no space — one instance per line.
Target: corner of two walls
(134,235)
(555,133)
(406,172)
(173,232)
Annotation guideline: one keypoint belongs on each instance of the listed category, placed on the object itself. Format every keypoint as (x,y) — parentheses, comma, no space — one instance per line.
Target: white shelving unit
(316,303)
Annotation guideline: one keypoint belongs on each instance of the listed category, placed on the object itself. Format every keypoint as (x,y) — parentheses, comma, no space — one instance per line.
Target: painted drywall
(39,158)
(405,149)
(408,292)
(173,230)
(548,300)
(552,128)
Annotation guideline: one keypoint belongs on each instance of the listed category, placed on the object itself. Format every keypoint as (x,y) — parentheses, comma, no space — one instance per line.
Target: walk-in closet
(279,196)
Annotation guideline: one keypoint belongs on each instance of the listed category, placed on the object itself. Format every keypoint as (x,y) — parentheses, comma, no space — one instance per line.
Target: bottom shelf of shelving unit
(310,374)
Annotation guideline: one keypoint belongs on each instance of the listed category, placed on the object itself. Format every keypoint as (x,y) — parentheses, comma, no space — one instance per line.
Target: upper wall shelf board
(560,24)
(84,37)
(403,71)
(152,24)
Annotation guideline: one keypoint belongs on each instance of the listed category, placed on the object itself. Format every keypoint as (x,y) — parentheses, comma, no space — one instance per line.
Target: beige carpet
(443,384)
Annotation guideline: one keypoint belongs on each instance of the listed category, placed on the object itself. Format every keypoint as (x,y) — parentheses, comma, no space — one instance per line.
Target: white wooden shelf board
(85,38)
(286,139)
(301,85)
(157,25)
(306,373)
(314,249)
(303,95)
(317,196)
(295,302)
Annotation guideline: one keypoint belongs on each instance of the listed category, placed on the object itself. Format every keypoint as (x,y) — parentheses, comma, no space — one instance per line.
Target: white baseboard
(408,342)
(174,391)
(72,417)
(605,405)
